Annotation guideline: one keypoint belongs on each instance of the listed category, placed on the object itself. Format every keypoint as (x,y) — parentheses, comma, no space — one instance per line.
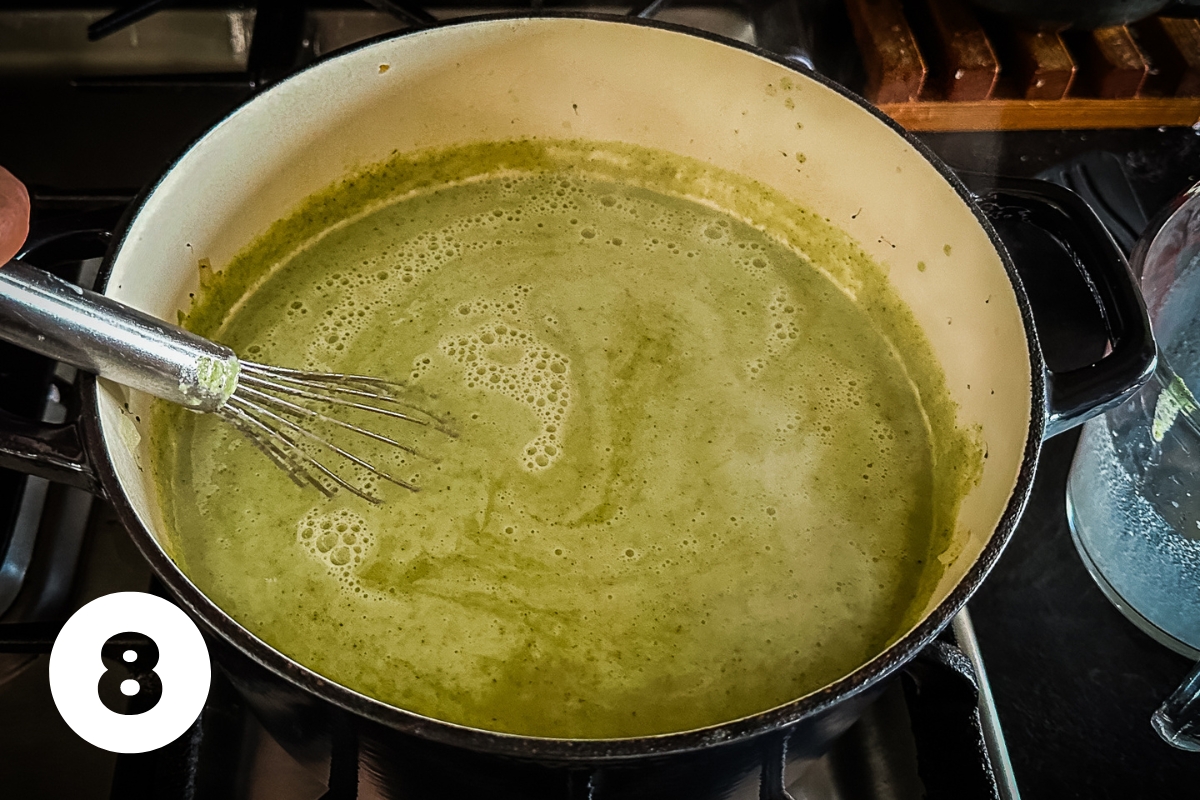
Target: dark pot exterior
(343,747)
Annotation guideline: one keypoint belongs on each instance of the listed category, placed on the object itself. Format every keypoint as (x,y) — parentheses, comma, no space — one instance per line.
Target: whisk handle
(45,314)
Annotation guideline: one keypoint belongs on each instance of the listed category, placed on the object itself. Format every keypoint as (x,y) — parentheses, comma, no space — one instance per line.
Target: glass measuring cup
(1133,494)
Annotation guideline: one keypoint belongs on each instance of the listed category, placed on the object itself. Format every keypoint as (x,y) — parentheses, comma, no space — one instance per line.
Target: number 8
(132,675)
(83,685)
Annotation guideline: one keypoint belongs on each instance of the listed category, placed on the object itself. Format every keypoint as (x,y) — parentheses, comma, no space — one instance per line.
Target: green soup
(704,466)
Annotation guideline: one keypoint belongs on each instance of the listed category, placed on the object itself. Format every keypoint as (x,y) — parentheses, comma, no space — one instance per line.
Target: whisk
(284,412)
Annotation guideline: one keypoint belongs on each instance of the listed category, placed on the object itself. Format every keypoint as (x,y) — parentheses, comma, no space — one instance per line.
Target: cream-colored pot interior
(592,79)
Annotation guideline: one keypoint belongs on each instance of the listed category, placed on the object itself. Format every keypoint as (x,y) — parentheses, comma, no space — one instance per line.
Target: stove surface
(1074,683)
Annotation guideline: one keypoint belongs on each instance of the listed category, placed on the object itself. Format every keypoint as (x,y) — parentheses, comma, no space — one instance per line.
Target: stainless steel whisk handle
(45,314)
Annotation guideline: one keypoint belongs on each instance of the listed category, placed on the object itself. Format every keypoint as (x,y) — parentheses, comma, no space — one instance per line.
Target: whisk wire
(322,442)
(283,379)
(250,380)
(293,446)
(266,440)
(303,411)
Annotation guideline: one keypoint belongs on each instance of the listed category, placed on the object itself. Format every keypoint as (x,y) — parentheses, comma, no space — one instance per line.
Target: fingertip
(14,215)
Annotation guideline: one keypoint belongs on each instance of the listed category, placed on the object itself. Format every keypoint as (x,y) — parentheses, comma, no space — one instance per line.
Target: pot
(650,84)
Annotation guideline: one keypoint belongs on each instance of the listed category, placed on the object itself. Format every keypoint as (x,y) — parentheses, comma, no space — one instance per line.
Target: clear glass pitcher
(1133,494)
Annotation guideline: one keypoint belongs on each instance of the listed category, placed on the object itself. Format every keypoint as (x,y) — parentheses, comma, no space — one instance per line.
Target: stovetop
(1073,682)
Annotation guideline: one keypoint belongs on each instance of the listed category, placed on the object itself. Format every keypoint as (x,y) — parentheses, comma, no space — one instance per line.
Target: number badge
(167,678)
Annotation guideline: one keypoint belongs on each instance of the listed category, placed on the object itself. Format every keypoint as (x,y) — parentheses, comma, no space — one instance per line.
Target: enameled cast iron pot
(576,76)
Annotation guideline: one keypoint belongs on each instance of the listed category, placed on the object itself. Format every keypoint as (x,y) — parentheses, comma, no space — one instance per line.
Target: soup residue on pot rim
(707,462)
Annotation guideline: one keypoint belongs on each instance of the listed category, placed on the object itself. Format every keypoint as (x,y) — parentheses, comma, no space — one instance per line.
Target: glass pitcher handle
(1177,720)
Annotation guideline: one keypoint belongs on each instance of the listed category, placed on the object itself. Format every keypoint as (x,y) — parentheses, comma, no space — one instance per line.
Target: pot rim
(218,622)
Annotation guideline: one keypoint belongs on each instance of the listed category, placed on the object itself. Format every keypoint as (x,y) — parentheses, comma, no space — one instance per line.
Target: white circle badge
(182,669)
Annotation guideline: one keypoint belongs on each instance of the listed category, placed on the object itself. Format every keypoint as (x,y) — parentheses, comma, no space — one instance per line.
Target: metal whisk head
(281,410)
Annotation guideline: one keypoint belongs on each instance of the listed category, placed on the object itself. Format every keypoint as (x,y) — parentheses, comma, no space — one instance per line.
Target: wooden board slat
(1173,49)
(1042,64)
(968,64)
(1071,112)
(895,69)
(1112,62)
(1185,36)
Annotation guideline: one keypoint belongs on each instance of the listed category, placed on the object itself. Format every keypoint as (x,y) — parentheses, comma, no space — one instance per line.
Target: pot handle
(942,694)
(54,452)
(1075,396)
